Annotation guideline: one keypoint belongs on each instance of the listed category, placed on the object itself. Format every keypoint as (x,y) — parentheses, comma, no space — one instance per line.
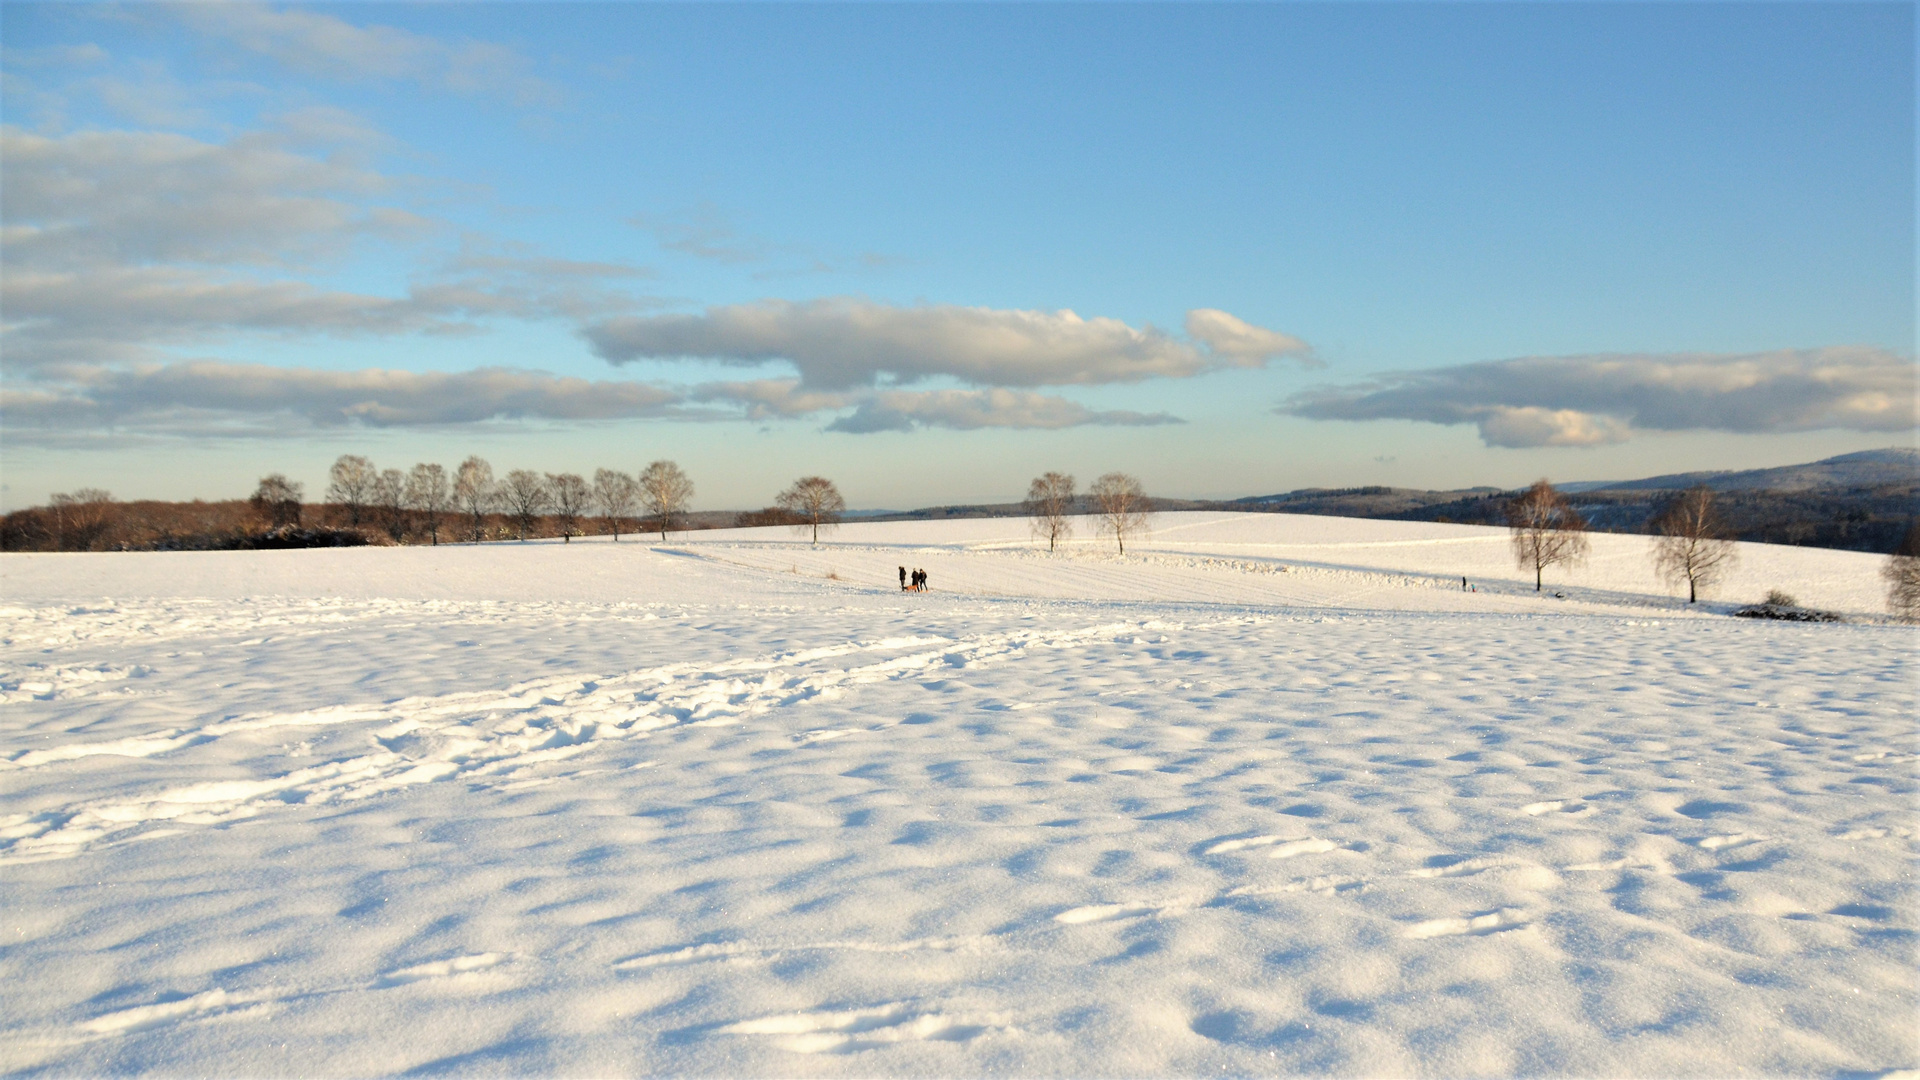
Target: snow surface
(1268,795)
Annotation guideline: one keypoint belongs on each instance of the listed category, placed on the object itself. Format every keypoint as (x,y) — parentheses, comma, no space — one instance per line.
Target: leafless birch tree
(1123,506)
(1691,542)
(1903,576)
(526,496)
(1547,530)
(277,500)
(570,498)
(389,503)
(427,496)
(350,484)
(1049,504)
(615,494)
(814,503)
(473,493)
(665,491)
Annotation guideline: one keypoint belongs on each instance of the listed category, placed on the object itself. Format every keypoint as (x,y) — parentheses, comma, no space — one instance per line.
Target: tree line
(1692,544)
(429,501)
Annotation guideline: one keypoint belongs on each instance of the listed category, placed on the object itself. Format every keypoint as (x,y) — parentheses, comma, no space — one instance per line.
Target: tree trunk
(1692,593)
(1536,577)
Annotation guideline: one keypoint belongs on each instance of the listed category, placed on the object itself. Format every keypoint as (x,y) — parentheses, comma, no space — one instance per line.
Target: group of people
(917,582)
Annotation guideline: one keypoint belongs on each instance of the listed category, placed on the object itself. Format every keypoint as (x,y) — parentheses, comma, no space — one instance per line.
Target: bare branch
(665,491)
(1546,530)
(1049,502)
(1692,543)
(1123,505)
(814,503)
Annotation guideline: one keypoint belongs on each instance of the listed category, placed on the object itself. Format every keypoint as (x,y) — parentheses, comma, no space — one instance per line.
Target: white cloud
(968,410)
(323,45)
(1592,400)
(844,342)
(906,410)
(1504,425)
(766,399)
(209,397)
(1230,337)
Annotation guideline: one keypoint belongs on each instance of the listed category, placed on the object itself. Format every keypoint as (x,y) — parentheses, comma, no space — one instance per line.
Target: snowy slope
(699,808)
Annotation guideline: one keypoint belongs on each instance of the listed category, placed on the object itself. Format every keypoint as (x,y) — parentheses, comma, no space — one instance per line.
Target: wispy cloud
(844,342)
(121,242)
(1594,400)
(968,410)
(1227,336)
(705,233)
(325,46)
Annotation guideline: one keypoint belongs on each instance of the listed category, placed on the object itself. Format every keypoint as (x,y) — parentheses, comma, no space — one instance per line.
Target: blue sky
(1303,244)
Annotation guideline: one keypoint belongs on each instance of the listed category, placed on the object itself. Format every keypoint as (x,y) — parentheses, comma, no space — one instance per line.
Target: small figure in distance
(1463,583)
(903,579)
(923,581)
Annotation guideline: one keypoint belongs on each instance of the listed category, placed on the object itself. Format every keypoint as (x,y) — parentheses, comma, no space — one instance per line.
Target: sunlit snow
(1269,794)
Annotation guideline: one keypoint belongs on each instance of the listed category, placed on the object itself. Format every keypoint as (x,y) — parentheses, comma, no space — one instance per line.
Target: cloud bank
(1596,400)
(217,398)
(841,343)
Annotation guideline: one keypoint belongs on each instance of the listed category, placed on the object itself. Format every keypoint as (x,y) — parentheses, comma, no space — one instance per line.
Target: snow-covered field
(1268,795)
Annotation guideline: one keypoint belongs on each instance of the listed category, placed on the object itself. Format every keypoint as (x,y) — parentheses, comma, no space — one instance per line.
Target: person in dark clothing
(923,581)
(903,579)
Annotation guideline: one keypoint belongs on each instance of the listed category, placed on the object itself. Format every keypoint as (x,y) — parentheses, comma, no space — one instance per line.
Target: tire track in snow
(500,733)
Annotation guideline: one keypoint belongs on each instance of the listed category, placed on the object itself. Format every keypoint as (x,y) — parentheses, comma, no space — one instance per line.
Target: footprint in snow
(852,1030)
(441,969)
(144,1017)
(1491,922)
(1282,847)
(1556,806)
(1106,912)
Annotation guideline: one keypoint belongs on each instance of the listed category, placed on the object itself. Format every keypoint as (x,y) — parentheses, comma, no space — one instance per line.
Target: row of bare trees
(429,499)
(1691,541)
(1120,504)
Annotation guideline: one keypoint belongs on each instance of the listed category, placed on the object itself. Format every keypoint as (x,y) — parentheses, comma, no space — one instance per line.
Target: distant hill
(1868,468)
(1860,502)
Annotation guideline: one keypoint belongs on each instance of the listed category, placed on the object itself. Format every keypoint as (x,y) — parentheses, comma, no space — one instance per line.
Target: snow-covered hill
(1268,794)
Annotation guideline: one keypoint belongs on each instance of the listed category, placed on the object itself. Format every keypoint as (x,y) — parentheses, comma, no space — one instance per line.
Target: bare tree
(616,494)
(1547,530)
(1123,506)
(389,503)
(525,494)
(1049,504)
(277,500)
(665,491)
(1691,542)
(1903,576)
(813,502)
(474,493)
(570,498)
(427,496)
(81,518)
(351,483)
